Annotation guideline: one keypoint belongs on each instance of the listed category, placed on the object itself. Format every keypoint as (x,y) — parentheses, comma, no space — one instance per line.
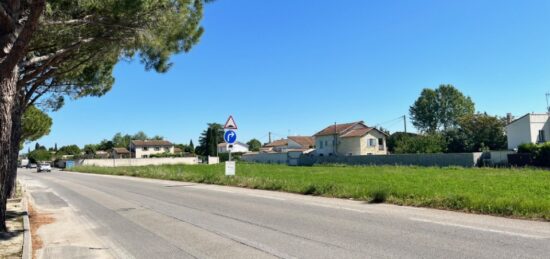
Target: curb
(27,240)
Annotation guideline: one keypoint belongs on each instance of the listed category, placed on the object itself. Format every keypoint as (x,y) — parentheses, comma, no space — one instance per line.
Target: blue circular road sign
(230,137)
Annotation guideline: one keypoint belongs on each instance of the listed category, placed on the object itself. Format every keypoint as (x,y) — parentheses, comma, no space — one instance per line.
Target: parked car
(32,165)
(44,167)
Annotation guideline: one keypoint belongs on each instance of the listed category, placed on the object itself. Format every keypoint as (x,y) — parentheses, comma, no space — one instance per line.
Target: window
(542,137)
(381,144)
(320,144)
(157,148)
(167,149)
(145,149)
(326,143)
(371,142)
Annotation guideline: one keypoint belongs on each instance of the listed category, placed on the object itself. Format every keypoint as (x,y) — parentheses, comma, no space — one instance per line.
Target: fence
(137,161)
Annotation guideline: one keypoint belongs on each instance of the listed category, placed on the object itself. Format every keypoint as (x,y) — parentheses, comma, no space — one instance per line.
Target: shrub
(528,148)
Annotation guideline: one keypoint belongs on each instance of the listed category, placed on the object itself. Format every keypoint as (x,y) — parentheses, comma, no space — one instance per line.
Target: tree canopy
(78,43)
(209,140)
(440,109)
(36,124)
(254,145)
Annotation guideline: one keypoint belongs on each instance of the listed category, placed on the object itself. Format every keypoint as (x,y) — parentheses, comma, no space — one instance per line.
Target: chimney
(509,118)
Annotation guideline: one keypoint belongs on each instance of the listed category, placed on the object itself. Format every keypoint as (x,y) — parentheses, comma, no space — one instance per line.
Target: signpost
(230,137)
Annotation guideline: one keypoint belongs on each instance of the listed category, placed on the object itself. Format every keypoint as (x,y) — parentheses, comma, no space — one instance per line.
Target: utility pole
(335,140)
(405,122)
(269,137)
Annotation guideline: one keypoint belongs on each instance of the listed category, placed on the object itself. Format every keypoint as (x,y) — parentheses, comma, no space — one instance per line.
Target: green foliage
(482,132)
(528,148)
(440,109)
(420,144)
(507,192)
(254,145)
(396,137)
(90,149)
(83,40)
(39,155)
(71,150)
(540,153)
(234,156)
(35,124)
(209,140)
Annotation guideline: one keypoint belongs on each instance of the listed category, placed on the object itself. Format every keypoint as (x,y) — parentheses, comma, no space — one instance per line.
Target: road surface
(138,218)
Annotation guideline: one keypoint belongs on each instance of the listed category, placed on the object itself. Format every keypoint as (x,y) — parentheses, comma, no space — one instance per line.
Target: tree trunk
(8,100)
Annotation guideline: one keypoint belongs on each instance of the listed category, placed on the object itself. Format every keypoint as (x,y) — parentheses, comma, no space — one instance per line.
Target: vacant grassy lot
(521,193)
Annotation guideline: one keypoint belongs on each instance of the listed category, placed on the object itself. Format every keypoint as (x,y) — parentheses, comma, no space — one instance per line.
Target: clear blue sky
(298,66)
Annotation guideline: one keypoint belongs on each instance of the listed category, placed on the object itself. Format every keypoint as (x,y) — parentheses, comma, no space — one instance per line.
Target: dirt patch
(37,220)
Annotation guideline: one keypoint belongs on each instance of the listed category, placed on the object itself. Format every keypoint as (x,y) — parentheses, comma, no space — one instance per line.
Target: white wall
(267,158)
(138,161)
(526,129)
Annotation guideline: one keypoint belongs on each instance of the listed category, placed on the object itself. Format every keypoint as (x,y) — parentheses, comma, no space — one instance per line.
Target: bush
(540,154)
(528,148)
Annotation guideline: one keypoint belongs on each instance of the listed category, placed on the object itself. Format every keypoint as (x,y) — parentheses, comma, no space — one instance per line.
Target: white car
(44,167)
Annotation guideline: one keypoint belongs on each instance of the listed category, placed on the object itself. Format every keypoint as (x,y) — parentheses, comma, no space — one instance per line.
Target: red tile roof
(356,133)
(277,143)
(305,142)
(121,150)
(336,129)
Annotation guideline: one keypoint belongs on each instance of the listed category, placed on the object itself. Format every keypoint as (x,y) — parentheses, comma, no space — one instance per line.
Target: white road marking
(503,232)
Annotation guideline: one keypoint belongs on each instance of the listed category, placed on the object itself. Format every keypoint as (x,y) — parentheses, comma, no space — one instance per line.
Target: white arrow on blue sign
(230,137)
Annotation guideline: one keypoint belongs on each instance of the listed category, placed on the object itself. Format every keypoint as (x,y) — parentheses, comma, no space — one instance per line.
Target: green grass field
(522,193)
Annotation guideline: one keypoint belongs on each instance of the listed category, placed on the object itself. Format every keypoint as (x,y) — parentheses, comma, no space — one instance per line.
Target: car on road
(44,167)
(32,165)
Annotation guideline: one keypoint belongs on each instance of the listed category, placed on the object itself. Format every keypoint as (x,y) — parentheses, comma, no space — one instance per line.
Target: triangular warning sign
(230,124)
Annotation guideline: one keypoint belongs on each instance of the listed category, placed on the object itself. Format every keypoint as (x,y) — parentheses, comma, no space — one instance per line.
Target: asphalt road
(138,218)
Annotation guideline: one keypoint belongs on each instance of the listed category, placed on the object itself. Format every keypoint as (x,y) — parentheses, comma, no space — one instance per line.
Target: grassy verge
(522,193)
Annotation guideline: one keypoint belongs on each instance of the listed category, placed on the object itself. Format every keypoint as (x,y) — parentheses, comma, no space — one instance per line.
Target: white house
(531,128)
(238,147)
(350,139)
(146,148)
(292,143)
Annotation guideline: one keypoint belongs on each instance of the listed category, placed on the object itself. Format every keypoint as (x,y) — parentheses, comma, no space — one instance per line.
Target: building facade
(146,148)
(531,128)
(350,139)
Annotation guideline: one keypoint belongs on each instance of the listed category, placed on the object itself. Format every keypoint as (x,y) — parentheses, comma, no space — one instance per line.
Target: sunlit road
(137,218)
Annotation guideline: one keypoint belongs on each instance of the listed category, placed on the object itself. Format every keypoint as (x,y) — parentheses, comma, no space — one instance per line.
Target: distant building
(119,152)
(292,143)
(146,148)
(531,128)
(238,147)
(350,139)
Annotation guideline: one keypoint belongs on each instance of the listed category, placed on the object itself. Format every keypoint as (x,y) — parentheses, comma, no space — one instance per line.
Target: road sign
(230,168)
(230,137)
(230,124)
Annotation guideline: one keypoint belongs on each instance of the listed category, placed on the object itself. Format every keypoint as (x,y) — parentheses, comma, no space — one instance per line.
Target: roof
(151,143)
(528,115)
(277,143)
(178,150)
(337,129)
(356,133)
(305,142)
(121,150)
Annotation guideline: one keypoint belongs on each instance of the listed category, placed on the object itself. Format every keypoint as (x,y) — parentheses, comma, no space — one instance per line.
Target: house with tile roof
(146,148)
(292,143)
(350,139)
